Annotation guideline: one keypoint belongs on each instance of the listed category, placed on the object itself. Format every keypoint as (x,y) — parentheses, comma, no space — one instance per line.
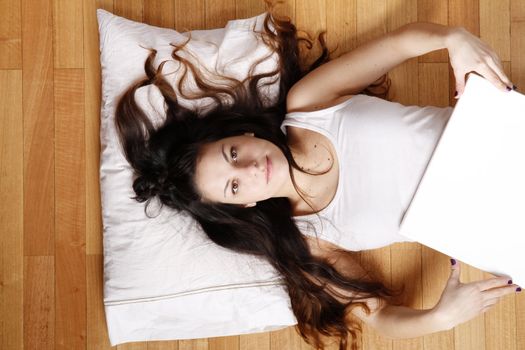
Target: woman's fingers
(499,292)
(460,82)
(491,76)
(497,68)
(491,70)
(492,283)
(454,273)
(487,308)
(494,296)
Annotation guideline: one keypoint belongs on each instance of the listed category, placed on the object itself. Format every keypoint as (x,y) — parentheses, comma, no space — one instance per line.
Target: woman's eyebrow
(226,159)
(224,154)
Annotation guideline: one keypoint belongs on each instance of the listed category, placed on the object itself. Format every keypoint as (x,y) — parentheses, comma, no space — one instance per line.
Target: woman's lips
(268,169)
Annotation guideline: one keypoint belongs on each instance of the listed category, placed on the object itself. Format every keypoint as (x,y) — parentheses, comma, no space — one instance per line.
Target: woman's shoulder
(295,104)
(302,135)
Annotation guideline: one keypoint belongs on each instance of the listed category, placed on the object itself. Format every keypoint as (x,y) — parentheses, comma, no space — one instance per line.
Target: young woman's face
(241,170)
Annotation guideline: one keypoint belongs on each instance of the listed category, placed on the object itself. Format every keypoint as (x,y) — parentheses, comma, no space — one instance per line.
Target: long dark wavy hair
(164,161)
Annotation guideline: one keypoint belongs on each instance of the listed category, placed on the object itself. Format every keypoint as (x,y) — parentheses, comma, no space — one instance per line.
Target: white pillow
(163,278)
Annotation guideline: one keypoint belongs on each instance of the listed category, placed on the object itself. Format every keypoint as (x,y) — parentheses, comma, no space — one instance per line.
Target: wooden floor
(51,230)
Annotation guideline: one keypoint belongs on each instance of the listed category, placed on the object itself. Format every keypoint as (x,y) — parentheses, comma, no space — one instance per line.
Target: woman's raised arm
(355,70)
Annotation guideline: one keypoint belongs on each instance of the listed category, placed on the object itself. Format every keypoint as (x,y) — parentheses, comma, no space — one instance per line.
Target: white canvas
(470,203)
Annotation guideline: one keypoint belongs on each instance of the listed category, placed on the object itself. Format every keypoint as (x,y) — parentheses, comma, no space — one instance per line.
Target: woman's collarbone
(317,156)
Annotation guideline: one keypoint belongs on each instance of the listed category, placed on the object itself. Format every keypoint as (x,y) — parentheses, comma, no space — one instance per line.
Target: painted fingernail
(456,94)
(518,289)
(514,87)
(453,262)
(509,88)
(509,282)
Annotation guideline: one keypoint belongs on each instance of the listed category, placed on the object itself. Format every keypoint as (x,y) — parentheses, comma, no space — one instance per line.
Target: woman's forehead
(208,169)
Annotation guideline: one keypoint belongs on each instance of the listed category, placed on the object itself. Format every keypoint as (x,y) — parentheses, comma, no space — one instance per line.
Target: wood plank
(223,343)
(520,319)
(517,57)
(159,13)
(500,323)
(105,4)
(134,346)
(507,70)
(68,34)
(259,341)
(378,262)
(404,77)
(406,269)
(433,84)
(494,26)
(39,302)
(97,332)
(39,186)
(11,215)
(464,13)
(341,26)
(400,13)
(517,11)
(470,335)
(163,345)
(130,9)
(404,82)
(39,131)
(436,271)
(194,17)
(371,20)
(218,13)
(70,211)
(249,8)
(10,35)
(287,8)
(286,338)
(311,17)
(331,344)
(92,95)
(434,12)
(195,344)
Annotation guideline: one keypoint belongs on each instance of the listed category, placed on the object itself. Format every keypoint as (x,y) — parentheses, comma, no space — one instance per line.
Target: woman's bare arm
(352,72)
(459,302)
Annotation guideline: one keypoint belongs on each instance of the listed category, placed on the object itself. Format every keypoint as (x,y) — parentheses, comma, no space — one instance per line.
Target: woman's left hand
(468,53)
(461,302)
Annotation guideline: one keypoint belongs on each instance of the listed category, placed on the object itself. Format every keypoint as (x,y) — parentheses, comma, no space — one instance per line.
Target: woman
(249,172)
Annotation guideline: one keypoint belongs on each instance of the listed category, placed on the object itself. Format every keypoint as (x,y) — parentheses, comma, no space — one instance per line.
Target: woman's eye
(235,187)
(234,154)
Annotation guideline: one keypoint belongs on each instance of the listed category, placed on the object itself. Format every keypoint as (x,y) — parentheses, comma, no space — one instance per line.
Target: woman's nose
(249,168)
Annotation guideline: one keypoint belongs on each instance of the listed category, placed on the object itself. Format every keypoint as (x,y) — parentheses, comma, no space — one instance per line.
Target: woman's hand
(468,53)
(461,302)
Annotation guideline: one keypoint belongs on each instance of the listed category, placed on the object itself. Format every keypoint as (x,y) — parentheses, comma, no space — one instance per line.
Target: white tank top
(383,149)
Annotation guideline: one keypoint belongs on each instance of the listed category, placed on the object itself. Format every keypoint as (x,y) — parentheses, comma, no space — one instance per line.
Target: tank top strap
(321,120)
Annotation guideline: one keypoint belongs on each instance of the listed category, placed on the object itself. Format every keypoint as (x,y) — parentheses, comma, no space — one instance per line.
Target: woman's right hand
(460,302)
(469,54)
